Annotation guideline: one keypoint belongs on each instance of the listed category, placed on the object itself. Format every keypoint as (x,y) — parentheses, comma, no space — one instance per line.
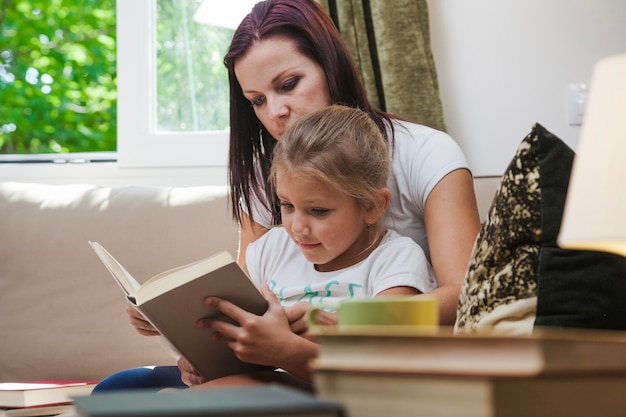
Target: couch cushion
(518,278)
(63,315)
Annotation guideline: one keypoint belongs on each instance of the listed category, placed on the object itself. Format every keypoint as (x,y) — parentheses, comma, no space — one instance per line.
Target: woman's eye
(257,101)
(290,84)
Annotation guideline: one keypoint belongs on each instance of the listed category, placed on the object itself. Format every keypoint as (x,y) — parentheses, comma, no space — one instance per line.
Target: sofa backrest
(62,314)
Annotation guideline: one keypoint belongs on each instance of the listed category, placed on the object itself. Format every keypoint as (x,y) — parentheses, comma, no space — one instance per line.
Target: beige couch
(62,315)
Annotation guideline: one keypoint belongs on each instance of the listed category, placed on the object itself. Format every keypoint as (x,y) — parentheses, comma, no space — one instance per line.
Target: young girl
(329,172)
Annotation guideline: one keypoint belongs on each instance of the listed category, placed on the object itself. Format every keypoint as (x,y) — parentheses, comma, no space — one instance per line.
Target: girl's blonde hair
(341,147)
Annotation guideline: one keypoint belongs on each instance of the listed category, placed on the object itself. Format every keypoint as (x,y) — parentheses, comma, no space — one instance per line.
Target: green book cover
(262,400)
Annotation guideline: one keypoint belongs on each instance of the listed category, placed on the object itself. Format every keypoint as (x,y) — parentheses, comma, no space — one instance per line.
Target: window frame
(138,142)
(143,156)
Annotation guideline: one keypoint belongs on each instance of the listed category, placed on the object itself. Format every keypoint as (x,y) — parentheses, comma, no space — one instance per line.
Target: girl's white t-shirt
(276,260)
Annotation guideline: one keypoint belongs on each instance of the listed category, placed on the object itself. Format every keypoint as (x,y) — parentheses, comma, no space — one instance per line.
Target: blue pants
(146,378)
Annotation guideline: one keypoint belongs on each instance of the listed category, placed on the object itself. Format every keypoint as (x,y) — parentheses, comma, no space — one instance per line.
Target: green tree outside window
(58,74)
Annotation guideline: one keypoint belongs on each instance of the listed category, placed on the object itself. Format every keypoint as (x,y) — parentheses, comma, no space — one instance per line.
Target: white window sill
(111,174)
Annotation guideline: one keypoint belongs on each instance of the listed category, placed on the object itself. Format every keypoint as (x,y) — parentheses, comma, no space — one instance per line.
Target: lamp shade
(595,208)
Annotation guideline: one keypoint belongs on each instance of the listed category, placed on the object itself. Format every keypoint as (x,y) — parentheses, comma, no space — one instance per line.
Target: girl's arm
(452,224)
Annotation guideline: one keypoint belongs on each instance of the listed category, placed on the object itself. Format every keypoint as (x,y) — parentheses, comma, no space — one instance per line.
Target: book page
(178,276)
(124,279)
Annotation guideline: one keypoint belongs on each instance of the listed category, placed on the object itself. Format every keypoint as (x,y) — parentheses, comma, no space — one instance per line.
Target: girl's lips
(308,246)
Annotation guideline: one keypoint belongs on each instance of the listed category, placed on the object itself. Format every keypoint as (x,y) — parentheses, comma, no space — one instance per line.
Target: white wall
(504,65)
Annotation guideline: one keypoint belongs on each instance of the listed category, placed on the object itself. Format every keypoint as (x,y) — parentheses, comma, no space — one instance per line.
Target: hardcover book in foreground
(397,349)
(173,302)
(263,400)
(396,394)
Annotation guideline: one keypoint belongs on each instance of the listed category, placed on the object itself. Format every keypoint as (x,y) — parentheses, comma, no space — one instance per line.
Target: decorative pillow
(516,262)
(585,289)
(503,266)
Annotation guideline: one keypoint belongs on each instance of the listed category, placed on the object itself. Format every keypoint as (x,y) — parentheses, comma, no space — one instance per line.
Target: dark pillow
(516,257)
(585,289)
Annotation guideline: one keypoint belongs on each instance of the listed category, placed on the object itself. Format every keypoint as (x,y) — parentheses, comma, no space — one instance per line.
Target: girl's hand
(297,317)
(140,324)
(188,373)
(263,340)
(257,339)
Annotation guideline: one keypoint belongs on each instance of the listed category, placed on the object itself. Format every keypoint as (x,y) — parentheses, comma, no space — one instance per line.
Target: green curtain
(390,42)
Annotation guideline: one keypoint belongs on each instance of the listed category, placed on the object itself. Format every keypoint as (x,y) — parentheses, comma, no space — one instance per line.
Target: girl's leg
(156,378)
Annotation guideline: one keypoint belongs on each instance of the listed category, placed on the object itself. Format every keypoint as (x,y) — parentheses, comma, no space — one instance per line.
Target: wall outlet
(576,101)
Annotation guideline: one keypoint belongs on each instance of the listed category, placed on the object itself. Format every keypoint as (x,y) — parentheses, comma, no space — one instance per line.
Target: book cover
(173,301)
(262,400)
(36,393)
(386,348)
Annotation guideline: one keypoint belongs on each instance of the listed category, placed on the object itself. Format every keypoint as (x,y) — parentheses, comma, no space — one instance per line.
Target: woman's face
(281,83)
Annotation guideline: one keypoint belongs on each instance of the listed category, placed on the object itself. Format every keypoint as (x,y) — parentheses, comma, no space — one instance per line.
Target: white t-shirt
(420,158)
(276,260)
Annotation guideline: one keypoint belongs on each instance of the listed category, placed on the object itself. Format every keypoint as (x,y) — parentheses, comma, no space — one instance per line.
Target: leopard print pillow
(504,262)
(518,278)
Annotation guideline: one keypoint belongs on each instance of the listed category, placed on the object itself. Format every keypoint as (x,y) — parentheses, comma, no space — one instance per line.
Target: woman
(286,60)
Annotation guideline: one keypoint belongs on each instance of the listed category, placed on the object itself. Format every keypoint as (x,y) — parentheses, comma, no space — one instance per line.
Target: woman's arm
(452,224)
(398,291)
(249,231)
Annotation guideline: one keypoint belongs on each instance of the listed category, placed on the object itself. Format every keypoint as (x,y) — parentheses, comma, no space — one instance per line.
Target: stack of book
(41,398)
(390,372)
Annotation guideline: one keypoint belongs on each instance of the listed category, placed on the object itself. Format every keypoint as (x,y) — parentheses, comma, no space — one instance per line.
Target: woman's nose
(277,108)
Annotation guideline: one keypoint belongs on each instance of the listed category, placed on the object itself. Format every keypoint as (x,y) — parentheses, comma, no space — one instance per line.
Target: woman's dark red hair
(315,35)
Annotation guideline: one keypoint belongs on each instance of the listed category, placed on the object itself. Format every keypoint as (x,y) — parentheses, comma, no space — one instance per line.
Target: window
(149,138)
(163,113)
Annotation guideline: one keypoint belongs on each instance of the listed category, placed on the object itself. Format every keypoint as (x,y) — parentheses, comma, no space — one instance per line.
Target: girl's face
(281,83)
(328,226)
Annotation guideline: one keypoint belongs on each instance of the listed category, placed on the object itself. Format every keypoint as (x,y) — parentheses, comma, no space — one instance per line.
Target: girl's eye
(290,84)
(320,211)
(284,205)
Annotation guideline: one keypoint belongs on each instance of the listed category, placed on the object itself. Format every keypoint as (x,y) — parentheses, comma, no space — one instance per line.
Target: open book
(173,301)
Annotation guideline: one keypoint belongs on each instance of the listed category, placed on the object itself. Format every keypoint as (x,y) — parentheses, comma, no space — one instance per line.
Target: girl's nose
(299,225)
